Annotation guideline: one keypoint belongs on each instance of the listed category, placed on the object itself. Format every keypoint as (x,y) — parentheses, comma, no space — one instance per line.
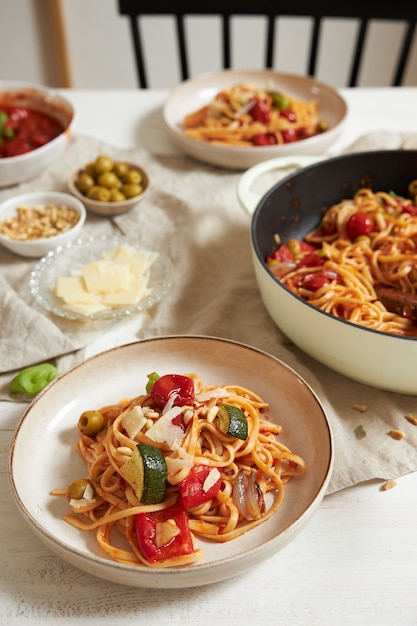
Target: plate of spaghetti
(237,118)
(172,462)
(335,254)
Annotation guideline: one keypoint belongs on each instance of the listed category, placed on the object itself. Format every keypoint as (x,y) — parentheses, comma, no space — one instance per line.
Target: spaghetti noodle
(247,115)
(244,477)
(362,244)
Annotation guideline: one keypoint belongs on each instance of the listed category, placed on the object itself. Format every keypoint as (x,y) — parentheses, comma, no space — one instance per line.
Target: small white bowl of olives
(109,186)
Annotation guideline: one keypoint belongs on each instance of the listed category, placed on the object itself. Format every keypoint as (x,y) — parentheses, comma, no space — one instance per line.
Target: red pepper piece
(191,488)
(146,531)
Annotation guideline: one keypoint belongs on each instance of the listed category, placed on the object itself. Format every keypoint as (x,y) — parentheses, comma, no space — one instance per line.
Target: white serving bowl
(17,169)
(40,247)
(192,94)
(293,207)
(122,373)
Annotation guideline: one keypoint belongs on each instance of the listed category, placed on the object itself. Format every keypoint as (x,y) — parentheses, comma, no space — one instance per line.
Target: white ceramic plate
(192,94)
(65,259)
(42,456)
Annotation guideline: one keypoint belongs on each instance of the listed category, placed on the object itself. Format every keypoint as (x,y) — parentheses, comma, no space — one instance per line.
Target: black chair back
(318,11)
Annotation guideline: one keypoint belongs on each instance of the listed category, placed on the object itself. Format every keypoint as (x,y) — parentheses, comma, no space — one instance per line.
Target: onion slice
(248,497)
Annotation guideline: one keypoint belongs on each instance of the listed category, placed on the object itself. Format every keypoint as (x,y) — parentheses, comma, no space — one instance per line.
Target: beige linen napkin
(194,216)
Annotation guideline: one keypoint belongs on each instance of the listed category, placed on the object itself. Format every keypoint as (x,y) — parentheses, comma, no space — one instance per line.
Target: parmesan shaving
(133,421)
(183,461)
(176,465)
(163,430)
(118,279)
(213,393)
(165,532)
(212,478)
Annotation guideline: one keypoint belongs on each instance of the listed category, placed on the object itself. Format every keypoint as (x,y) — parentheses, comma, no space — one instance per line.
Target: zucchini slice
(232,421)
(146,472)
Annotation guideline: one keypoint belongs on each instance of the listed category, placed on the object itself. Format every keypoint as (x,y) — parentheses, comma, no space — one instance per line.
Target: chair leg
(226,42)
(407,41)
(315,38)
(270,38)
(182,46)
(140,67)
(358,53)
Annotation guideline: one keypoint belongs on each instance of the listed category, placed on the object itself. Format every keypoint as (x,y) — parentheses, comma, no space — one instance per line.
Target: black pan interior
(295,205)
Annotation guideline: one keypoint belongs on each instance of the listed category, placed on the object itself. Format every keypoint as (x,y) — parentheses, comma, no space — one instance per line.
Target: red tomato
(17,115)
(289,115)
(289,135)
(311,259)
(360,223)
(304,132)
(307,247)
(191,488)
(312,282)
(409,208)
(259,111)
(265,139)
(31,129)
(282,255)
(145,526)
(165,386)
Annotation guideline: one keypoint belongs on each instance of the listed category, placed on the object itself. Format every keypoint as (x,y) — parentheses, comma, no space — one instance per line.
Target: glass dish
(67,259)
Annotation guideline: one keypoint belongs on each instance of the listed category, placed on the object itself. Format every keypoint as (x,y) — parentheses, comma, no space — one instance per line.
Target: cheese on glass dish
(119,278)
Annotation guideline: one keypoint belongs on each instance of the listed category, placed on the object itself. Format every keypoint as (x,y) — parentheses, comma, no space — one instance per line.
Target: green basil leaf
(33,379)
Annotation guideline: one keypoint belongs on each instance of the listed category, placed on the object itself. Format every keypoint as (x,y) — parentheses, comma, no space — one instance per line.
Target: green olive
(77,489)
(103,163)
(322,126)
(90,169)
(120,168)
(131,190)
(99,193)
(132,177)
(91,422)
(108,179)
(412,188)
(117,196)
(84,182)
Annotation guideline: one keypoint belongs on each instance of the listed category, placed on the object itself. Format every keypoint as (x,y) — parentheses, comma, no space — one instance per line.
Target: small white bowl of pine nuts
(34,223)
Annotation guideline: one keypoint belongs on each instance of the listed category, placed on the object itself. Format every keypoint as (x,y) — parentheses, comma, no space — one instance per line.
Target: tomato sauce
(28,130)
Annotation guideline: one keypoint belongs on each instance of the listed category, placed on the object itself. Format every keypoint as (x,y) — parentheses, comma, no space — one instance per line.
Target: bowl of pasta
(180,461)
(334,247)
(238,118)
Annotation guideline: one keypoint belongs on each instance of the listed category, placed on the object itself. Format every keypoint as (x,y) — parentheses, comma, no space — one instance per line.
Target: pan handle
(247,198)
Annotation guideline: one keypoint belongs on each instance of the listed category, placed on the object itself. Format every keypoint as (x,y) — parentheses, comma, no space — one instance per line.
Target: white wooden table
(354,564)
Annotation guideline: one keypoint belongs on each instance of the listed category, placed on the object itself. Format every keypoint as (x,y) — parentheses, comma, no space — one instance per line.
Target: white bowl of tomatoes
(35,127)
